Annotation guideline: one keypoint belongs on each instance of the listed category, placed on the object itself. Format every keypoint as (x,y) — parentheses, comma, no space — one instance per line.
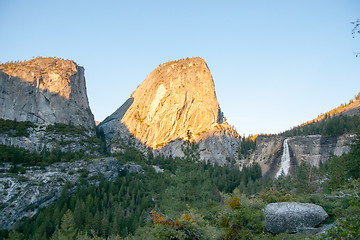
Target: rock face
(289,217)
(267,154)
(22,194)
(177,98)
(40,139)
(311,149)
(315,148)
(45,91)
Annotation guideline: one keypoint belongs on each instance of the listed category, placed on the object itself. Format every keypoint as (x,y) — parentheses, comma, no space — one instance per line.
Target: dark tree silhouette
(356,30)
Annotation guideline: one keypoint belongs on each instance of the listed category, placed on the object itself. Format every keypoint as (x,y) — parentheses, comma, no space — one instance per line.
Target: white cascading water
(285,161)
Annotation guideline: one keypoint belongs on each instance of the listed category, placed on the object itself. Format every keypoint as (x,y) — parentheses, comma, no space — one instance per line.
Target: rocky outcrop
(311,149)
(176,101)
(290,217)
(314,149)
(40,139)
(22,194)
(267,154)
(45,91)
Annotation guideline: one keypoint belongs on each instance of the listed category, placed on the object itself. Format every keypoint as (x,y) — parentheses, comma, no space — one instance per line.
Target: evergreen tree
(15,235)
(185,176)
(302,176)
(67,230)
(352,161)
(79,213)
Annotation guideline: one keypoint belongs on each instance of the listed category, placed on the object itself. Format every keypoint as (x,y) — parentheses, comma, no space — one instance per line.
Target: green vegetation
(17,155)
(63,129)
(338,110)
(242,218)
(100,135)
(190,199)
(248,145)
(195,200)
(335,186)
(107,209)
(15,128)
(329,126)
(123,206)
(332,123)
(341,169)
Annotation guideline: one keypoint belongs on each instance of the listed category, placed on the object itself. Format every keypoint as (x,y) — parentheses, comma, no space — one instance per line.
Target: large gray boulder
(289,217)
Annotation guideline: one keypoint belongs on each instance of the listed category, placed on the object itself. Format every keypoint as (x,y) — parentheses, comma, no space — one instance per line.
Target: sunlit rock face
(45,91)
(177,98)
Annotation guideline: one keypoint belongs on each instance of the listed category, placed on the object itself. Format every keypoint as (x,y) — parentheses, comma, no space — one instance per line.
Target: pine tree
(104,225)
(185,175)
(15,235)
(352,161)
(67,230)
(302,176)
(79,213)
(96,223)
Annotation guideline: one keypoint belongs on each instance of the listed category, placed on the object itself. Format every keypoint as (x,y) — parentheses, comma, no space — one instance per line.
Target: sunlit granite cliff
(177,99)
(45,91)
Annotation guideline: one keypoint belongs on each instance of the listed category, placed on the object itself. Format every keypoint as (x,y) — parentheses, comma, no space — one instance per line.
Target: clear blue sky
(275,64)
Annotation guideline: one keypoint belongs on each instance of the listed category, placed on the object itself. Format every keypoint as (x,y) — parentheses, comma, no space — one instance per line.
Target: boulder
(289,217)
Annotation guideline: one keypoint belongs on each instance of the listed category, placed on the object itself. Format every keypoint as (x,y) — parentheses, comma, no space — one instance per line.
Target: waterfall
(285,161)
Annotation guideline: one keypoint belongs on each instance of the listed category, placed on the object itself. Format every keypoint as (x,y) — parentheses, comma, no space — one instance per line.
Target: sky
(275,64)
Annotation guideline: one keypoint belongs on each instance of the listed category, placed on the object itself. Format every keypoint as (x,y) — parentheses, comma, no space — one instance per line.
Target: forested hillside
(118,208)
(184,198)
(338,121)
(329,126)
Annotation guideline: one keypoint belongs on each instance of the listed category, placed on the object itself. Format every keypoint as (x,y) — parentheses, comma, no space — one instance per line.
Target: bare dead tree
(355,31)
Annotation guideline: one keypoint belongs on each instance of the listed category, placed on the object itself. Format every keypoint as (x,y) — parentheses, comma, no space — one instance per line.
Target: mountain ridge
(349,109)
